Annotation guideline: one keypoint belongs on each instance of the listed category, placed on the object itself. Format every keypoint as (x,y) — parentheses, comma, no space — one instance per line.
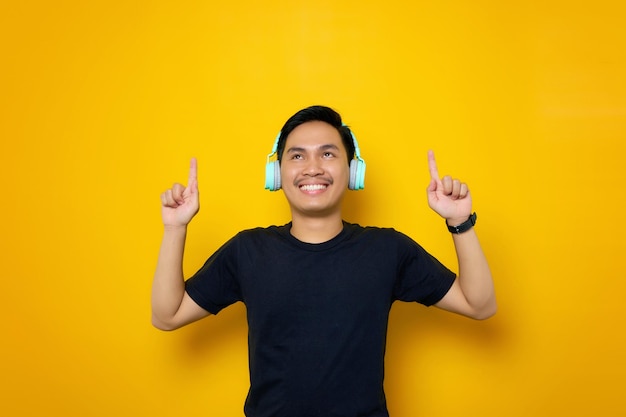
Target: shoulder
(250,241)
(388,238)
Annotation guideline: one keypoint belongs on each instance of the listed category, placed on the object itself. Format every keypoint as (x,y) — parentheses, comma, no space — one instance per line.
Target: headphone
(357,168)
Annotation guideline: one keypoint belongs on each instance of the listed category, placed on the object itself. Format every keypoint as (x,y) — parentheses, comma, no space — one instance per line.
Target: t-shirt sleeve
(215,285)
(421,277)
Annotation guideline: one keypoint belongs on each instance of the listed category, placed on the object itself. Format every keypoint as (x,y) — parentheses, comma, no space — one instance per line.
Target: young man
(318,290)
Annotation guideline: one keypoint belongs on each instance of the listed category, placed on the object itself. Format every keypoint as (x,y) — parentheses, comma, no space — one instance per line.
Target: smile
(313,187)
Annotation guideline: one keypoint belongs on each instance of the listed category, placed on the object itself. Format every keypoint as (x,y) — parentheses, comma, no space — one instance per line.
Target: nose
(313,167)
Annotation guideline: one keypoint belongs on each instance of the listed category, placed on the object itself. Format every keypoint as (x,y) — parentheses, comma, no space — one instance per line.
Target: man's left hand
(447,196)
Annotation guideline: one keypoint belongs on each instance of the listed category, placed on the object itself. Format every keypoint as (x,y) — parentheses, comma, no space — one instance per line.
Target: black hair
(317,113)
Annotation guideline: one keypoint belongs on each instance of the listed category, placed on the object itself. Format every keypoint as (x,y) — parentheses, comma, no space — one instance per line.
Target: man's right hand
(180,203)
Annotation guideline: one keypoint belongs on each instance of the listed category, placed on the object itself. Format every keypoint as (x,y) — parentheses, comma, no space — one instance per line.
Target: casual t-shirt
(317,313)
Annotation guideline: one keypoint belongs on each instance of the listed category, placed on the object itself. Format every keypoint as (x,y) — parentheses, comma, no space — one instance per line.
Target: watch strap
(463,227)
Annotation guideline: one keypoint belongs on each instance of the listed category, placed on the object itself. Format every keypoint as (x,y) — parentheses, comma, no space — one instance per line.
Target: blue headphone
(357,169)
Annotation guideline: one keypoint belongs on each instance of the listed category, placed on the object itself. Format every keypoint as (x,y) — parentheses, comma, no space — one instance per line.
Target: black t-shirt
(318,313)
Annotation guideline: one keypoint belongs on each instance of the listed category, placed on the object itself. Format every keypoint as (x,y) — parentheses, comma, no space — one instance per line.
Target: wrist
(175,228)
(457,226)
(456,221)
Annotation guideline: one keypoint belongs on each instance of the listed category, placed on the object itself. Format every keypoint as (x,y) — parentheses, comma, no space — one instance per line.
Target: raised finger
(432,166)
(193,172)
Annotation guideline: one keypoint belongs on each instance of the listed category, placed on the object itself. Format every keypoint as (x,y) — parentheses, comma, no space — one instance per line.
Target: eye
(328,154)
(296,156)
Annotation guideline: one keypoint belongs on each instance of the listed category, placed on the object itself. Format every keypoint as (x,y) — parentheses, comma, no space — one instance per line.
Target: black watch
(463,227)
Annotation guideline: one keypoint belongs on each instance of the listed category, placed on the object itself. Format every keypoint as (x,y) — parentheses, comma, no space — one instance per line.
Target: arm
(472,293)
(171,306)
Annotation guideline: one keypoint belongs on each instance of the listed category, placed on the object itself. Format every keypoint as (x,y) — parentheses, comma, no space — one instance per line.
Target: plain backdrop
(103,103)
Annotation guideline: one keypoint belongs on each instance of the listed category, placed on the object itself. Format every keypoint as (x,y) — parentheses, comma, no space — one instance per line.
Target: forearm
(475,277)
(168,286)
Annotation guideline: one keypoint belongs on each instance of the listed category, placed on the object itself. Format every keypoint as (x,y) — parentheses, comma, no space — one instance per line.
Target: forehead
(314,134)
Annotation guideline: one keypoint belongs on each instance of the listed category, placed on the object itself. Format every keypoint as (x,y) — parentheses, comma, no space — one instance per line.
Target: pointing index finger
(432,165)
(193,171)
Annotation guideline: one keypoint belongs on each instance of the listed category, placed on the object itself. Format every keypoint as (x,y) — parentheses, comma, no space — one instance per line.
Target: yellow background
(103,103)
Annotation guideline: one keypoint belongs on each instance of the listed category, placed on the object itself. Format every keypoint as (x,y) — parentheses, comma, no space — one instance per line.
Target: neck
(316,229)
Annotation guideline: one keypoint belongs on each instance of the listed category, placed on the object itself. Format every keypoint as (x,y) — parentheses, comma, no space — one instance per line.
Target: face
(314,170)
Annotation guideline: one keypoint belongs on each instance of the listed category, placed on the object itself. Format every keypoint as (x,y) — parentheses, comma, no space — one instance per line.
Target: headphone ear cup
(277,181)
(353,174)
(272,176)
(357,175)
(361,175)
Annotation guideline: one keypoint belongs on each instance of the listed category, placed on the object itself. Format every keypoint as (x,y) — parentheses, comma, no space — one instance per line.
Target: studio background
(102,104)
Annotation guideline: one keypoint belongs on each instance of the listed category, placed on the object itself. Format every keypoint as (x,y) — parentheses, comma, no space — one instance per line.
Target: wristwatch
(463,227)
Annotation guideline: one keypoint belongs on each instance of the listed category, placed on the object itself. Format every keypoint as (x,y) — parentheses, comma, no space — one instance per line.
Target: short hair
(317,113)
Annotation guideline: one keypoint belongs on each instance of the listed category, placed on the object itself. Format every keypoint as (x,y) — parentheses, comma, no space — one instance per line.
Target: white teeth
(312,187)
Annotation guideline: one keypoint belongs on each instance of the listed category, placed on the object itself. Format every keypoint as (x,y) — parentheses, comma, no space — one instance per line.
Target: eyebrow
(321,148)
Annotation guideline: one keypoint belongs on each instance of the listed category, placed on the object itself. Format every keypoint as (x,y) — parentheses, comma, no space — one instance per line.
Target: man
(318,290)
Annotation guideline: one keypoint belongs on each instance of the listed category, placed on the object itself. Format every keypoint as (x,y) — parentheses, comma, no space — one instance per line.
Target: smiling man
(314,169)
(318,290)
